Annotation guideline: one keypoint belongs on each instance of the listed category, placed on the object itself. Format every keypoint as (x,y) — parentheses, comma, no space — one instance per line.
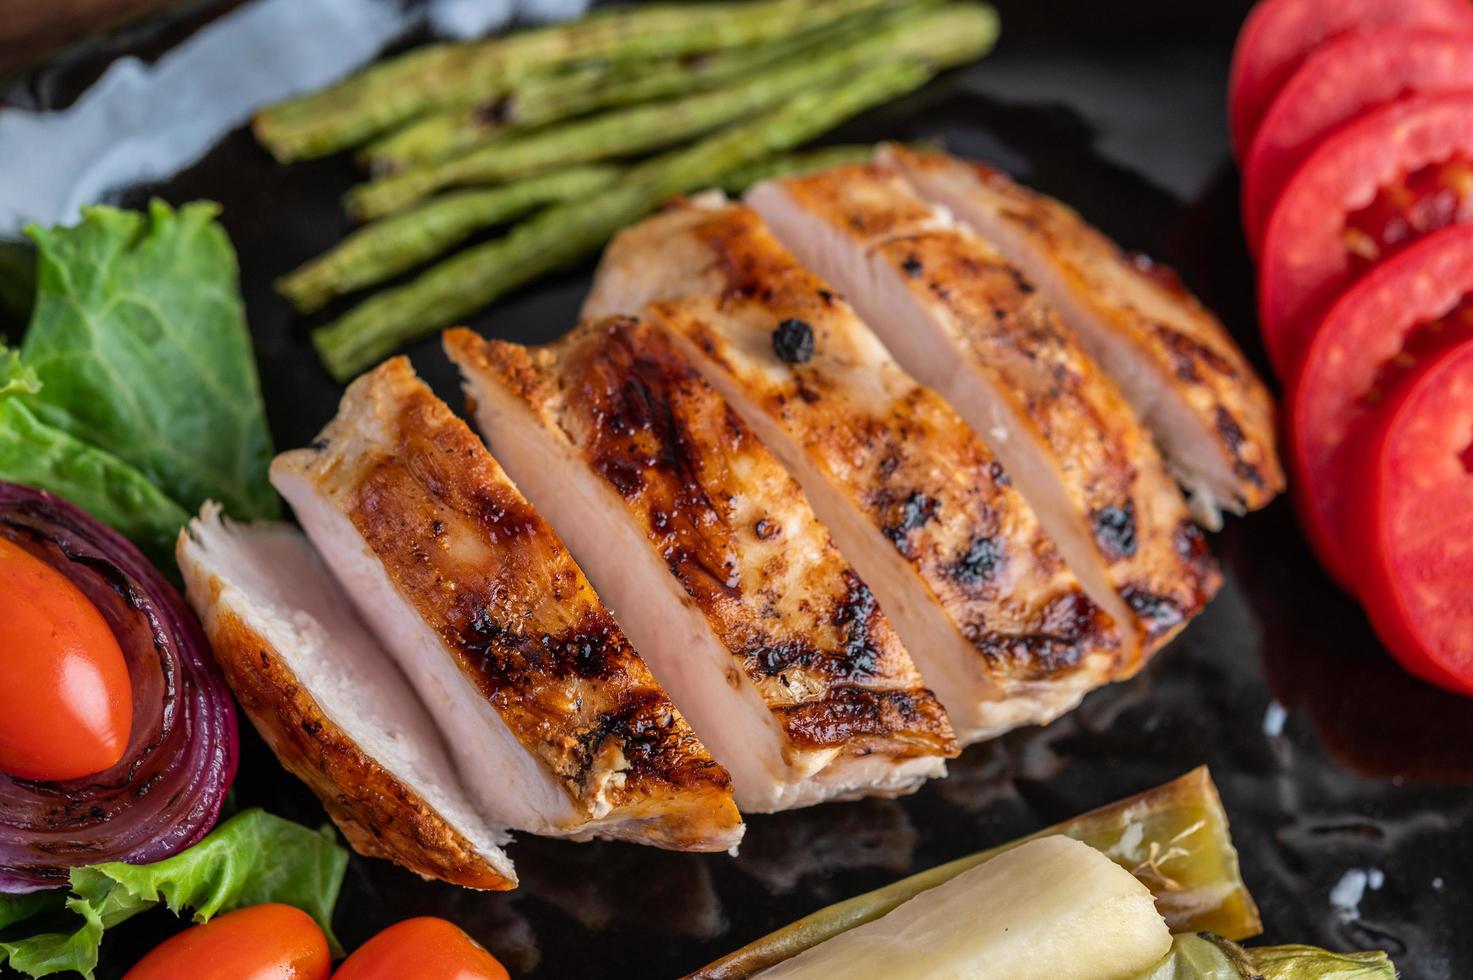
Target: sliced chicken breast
(711,558)
(961,319)
(555,722)
(998,625)
(1171,358)
(331,702)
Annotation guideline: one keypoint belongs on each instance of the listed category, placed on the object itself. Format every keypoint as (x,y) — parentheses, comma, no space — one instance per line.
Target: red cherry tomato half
(1279,34)
(260,942)
(1406,310)
(421,949)
(1341,81)
(66,701)
(1371,188)
(1413,511)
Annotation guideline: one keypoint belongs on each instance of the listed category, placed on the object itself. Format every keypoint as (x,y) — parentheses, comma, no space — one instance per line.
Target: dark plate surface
(1118,108)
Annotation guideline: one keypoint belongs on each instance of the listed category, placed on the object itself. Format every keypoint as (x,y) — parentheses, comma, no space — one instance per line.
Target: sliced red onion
(166,791)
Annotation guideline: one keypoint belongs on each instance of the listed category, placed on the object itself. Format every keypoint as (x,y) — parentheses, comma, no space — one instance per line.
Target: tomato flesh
(426,948)
(260,942)
(66,701)
(1408,309)
(1414,506)
(1348,77)
(1372,188)
(1279,34)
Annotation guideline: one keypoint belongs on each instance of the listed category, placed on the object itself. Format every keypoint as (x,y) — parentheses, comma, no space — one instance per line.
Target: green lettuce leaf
(40,455)
(251,858)
(138,339)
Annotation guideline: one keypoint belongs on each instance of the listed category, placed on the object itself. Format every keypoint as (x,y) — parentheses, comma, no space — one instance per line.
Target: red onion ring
(166,791)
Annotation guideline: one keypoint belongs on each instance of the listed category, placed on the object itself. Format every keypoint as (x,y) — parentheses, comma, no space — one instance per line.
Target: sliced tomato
(1413,511)
(1279,34)
(1370,189)
(1344,79)
(1406,310)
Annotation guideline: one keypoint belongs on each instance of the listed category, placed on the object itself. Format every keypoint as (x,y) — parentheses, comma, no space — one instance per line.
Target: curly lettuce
(251,858)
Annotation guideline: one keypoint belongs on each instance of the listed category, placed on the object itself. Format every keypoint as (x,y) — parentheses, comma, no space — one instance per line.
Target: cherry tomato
(1406,310)
(421,949)
(1413,508)
(1279,34)
(260,942)
(1372,188)
(66,701)
(1346,78)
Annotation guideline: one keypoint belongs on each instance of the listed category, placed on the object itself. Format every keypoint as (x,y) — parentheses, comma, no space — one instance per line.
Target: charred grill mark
(647,733)
(1070,627)
(981,562)
(855,621)
(1020,281)
(1189,356)
(1160,613)
(646,450)
(1232,437)
(914,513)
(846,713)
(913,266)
(1115,530)
(1191,545)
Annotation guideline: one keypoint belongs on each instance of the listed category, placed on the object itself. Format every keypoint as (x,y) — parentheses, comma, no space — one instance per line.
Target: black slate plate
(1117,107)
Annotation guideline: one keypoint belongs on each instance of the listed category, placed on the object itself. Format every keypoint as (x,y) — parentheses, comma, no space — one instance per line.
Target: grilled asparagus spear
(566,232)
(942,37)
(443,135)
(384,249)
(461,74)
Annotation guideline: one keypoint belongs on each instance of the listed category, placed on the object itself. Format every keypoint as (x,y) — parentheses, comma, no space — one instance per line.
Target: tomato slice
(1370,189)
(1341,81)
(1406,310)
(259,942)
(1279,34)
(1413,510)
(426,948)
(66,698)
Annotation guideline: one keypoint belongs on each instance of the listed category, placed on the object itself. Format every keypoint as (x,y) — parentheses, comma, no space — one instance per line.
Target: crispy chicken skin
(1171,358)
(959,317)
(997,623)
(840,700)
(310,678)
(466,554)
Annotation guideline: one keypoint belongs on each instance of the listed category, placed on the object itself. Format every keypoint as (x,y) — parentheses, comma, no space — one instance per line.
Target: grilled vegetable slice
(1050,909)
(1174,838)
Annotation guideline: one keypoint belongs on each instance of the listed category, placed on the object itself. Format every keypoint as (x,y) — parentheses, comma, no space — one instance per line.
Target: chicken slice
(331,703)
(1171,358)
(710,556)
(998,625)
(961,319)
(555,722)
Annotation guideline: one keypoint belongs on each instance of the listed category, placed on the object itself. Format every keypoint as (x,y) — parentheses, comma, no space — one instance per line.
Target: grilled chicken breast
(997,624)
(331,702)
(960,318)
(1171,358)
(554,721)
(715,565)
